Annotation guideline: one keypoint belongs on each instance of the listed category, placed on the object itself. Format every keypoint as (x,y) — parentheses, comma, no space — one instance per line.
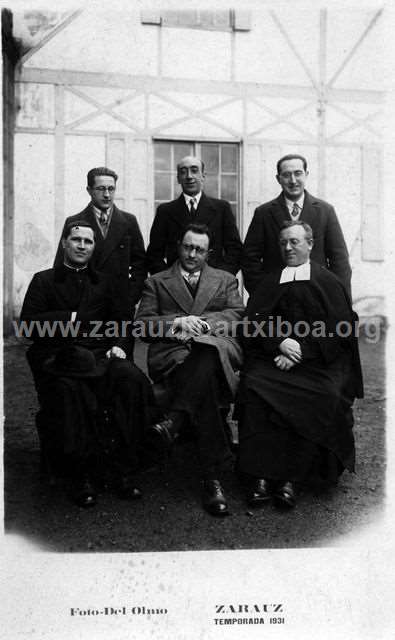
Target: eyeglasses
(192,247)
(104,189)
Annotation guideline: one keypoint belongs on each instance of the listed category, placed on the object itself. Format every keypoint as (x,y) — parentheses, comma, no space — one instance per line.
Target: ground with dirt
(170,518)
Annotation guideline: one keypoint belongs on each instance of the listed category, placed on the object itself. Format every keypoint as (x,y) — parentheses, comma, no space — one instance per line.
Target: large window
(221,160)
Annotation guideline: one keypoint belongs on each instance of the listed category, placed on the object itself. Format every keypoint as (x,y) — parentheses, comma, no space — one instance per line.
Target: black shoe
(161,436)
(214,500)
(84,493)
(286,494)
(259,492)
(126,490)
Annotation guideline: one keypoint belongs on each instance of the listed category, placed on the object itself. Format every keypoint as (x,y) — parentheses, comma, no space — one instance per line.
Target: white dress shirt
(290,205)
(189,198)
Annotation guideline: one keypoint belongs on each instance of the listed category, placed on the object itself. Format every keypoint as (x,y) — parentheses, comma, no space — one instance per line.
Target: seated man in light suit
(187,313)
(300,377)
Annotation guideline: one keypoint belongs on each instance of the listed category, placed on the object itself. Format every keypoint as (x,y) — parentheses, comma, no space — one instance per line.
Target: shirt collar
(290,203)
(301,272)
(98,212)
(186,274)
(196,197)
(76,269)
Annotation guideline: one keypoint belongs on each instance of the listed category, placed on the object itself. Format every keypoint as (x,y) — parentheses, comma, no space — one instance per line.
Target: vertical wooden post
(10,57)
(321,106)
(59,178)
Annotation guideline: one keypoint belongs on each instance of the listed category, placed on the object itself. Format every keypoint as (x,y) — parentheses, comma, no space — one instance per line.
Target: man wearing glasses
(119,249)
(187,314)
(261,253)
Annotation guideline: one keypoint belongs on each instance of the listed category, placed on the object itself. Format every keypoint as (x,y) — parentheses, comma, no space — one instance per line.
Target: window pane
(162,156)
(181,150)
(228,158)
(163,186)
(228,187)
(210,153)
(211,186)
(176,188)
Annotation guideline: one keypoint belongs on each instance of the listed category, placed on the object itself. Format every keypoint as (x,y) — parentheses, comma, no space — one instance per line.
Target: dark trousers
(92,423)
(196,388)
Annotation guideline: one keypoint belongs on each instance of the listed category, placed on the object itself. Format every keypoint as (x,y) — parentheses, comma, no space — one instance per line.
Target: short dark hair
(200,160)
(291,156)
(77,223)
(99,171)
(298,223)
(201,229)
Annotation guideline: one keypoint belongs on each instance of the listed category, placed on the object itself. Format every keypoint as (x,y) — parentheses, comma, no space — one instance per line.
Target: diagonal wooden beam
(100,109)
(294,49)
(364,123)
(279,118)
(51,34)
(202,114)
(354,48)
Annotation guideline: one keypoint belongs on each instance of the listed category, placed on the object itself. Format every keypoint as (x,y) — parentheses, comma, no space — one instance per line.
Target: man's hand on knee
(116,352)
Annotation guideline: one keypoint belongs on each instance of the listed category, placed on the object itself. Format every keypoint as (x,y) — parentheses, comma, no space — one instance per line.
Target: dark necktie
(192,210)
(104,223)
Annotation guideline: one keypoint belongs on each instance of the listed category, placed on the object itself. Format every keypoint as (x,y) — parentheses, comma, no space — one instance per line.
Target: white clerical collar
(186,274)
(290,203)
(196,197)
(301,272)
(77,269)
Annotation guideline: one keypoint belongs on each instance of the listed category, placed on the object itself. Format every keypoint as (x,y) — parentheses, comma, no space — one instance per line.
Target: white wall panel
(81,154)
(194,54)
(34,209)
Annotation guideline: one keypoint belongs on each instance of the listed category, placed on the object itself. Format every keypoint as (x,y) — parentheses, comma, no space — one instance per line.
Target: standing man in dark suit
(119,249)
(188,313)
(193,206)
(261,252)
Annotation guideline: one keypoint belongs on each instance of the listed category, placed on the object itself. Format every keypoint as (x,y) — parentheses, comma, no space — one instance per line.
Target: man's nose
(192,252)
(288,246)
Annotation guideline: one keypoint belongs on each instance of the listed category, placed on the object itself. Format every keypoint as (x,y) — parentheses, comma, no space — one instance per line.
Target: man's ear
(278,179)
(63,242)
(88,189)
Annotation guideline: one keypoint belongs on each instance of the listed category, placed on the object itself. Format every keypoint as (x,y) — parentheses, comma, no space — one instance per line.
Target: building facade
(136,90)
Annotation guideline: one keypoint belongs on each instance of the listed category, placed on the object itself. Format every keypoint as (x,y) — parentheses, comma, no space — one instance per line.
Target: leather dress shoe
(84,493)
(126,490)
(286,494)
(259,492)
(161,436)
(214,500)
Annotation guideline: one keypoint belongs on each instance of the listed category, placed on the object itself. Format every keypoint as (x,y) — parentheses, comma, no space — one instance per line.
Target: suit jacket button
(121,246)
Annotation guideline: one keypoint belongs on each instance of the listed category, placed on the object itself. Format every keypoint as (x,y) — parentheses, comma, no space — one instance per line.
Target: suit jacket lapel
(179,212)
(205,211)
(208,285)
(174,284)
(117,230)
(279,211)
(308,214)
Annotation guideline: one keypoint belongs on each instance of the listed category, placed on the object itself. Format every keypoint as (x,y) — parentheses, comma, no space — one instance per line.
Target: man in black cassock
(93,399)
(301,375)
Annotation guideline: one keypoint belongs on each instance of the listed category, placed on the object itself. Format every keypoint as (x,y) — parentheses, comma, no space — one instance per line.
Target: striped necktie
(295,211)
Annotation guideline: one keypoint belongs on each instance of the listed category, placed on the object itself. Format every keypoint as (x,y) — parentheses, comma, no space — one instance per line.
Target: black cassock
(297,425)
(82,419)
